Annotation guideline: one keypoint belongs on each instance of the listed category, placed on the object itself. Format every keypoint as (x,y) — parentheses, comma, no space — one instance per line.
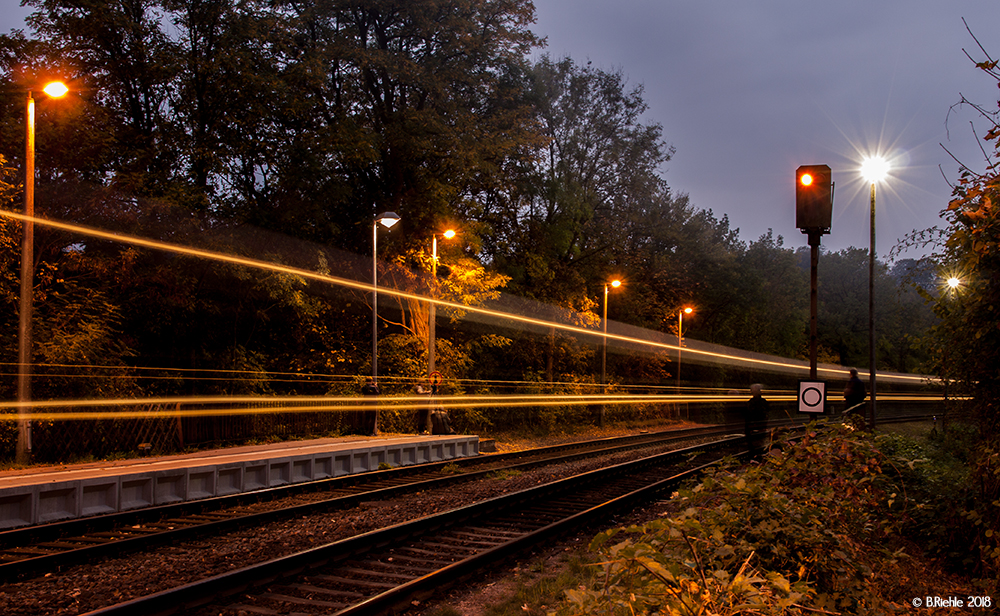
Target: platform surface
(45,494)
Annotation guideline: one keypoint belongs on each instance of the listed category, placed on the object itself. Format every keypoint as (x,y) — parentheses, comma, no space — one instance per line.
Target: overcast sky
(748,91)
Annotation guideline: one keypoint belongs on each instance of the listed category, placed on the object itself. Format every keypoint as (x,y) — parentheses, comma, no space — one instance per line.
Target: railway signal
(813,198)
(813,215)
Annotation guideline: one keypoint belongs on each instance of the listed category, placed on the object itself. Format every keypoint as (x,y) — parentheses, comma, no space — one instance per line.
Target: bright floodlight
(874,169)
(450,233)
(388,219)
(806,179)
(616,283)
(56,89)
(688,310)
(954,282)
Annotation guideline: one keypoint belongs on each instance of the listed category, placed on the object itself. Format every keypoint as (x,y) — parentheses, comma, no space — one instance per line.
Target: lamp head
(387,219)
(616,283)
(55,89)
(450,233)
(688,310)
(874,169)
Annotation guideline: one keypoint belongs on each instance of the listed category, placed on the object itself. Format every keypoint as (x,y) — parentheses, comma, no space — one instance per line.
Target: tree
(462,280)
(557,230)
(767,308)
(972,247)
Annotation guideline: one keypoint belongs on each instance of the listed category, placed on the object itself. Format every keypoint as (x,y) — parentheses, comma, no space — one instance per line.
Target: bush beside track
(840,522)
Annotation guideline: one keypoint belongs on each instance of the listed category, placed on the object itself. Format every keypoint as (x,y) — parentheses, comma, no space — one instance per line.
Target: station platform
(44,494)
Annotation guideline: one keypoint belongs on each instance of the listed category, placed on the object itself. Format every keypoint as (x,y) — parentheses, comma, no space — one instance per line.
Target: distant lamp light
(680,339)
(56,89)
(806,179)
(604,346)
(432,310)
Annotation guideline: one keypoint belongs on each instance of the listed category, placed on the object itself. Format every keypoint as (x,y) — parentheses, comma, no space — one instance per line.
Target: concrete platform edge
(49,500)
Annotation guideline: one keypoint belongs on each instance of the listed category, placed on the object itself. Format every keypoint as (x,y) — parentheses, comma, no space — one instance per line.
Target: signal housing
(813,198)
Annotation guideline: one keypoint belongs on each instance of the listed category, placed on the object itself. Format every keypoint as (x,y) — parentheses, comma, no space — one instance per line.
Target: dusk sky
(748,91)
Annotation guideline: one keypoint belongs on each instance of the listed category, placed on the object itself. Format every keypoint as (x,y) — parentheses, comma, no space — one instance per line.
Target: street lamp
(54,89)
(873,170)
(432,310)
(604,352)
(604,347)
(680,340)
(387,220)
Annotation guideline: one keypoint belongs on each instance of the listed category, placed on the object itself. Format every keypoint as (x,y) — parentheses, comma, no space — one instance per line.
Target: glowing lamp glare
(56,89)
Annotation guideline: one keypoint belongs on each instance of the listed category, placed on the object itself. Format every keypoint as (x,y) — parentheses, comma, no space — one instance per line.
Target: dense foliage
(550,170)
(966,339)
(823,526)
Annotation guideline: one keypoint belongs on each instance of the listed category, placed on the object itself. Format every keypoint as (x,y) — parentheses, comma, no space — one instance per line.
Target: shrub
(788,533)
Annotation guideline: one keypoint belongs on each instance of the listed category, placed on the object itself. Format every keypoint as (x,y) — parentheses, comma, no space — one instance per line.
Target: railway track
(51,547)
(384,570)
(456,543)
(376,572)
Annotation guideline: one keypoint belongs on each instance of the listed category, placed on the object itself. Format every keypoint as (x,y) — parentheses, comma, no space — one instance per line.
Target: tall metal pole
(604,356)
(27,291)
(432,309)
(604,347)
(680,339)
(871,314)
(375,302)
(386,219)
(814,240)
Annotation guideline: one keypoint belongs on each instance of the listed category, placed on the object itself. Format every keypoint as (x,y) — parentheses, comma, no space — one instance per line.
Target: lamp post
(55,89)
(432,309)
(873,170)
(680,340)
(604,347)
(387,220)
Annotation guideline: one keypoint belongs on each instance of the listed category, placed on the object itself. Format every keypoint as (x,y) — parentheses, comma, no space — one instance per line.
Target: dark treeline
(278,130)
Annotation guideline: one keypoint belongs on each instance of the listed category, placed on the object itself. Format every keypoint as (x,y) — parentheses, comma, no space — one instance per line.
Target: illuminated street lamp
(55,89)
(432,310)
(873,170)
(387,220)
(604,347)
(604,350)
(680,340)
(951,284)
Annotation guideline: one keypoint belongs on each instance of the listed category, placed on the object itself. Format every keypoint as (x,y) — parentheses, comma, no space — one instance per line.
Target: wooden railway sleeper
(361,571)
(277,598)
(351,584)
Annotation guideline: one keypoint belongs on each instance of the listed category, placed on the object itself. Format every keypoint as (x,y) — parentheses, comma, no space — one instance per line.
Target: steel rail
(50,547)
(185,599)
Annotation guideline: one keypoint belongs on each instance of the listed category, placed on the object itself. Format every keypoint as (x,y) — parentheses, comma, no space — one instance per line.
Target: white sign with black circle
(812,396)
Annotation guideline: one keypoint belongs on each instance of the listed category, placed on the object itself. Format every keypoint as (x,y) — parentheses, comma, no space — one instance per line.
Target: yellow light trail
(361,286)
(401,403)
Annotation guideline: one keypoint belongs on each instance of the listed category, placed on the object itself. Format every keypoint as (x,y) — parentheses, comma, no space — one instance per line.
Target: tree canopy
(278,130)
